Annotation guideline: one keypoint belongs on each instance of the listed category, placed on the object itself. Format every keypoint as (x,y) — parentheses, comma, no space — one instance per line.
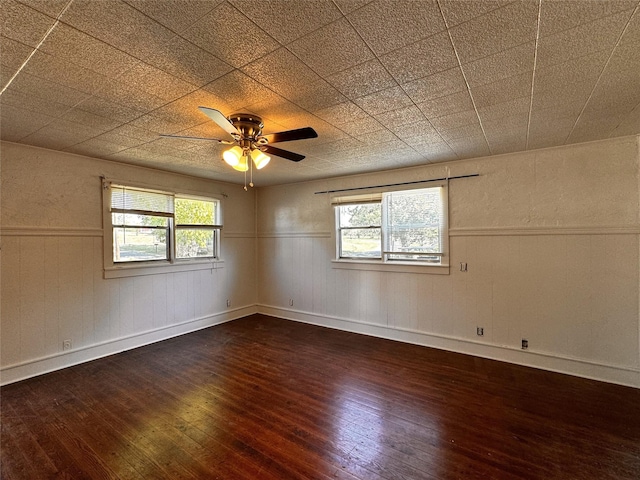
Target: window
(401,226)
(149,227)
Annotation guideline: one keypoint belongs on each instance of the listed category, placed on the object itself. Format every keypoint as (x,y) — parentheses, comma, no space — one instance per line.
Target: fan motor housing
(250,125)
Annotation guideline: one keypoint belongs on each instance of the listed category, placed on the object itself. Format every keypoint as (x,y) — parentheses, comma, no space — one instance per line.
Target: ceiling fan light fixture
(235,158)
(260,160)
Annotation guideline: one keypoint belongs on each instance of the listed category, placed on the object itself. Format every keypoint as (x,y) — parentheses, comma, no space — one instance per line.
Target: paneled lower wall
(552,258)
(52,282)
(577,308)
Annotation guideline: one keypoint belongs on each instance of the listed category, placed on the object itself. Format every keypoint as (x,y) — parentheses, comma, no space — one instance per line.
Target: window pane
(413,223)
(365,215)
(139,244)
(360,243)
(195,243)
(135,220)
(195,212)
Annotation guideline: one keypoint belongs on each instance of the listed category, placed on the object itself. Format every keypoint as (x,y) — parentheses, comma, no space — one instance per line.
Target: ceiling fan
(245,130)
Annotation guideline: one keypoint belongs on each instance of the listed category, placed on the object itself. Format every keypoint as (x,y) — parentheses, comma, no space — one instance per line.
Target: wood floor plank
(269,399)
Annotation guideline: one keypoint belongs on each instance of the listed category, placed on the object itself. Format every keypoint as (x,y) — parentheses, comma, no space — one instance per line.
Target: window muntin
(400,226)
(152,226)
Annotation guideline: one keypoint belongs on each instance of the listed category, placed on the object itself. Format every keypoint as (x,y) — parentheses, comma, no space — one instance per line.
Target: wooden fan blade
(220,120)
(289,135)
(195,138)
(278,152)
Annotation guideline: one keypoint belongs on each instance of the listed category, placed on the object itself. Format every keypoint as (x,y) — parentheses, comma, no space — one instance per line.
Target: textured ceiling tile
(117,138)
(501,129)
(438,85)
(422,129)
(503,90)
(48,7)
(519,106)
(73,46)
(128,95)
(438,107)
(177,15)
(421,59)
(574,71)
(471,133)
(157,124)
(231,36)
(17,123)
(332,48)
(384,101)
(498,30)
(155,82)
(23,24)
(95,147)
(237,89)
(361,126)
(455,120)
(615,94)
(26,101)
(91,120)
(188,62)
(630,125)
(560,15)
(137,135)
(51,68)
(281,71)
(580,41)
(342,113)
(459,11)
(376,137)
(363,79)
(348,6)
(316,96)
(287,21)
(105,108)
(119,25)
(587,128)
(500,65)
(470,147)
(12,54)
(62,134)
(399,117)
(387,25)
(41,88)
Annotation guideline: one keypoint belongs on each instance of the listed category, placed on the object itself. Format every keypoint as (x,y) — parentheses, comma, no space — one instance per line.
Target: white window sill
(135,270)
(400,267)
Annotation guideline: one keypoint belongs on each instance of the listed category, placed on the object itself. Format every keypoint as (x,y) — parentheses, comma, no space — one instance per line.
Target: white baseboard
(50,363)
(620,375)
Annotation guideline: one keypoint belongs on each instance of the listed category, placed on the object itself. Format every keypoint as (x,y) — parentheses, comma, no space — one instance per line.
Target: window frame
(172,263)
(384,263)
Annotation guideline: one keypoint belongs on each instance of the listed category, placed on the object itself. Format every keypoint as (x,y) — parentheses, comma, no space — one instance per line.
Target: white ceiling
(385,83)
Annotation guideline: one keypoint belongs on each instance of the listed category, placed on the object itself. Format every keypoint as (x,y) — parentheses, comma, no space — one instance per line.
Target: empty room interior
(319,239)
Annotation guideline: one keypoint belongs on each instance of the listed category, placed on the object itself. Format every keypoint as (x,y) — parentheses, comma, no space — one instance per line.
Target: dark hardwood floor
(264,398)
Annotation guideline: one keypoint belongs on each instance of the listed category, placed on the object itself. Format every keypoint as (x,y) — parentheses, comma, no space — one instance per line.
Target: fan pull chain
(250,160)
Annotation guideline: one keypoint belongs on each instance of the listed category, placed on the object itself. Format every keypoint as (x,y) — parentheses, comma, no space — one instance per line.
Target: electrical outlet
(291,302)
(228,302)
(66,345)
(525,344)
(480,331)
(463,266)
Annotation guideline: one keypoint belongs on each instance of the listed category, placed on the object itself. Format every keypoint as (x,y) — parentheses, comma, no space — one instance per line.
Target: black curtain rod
(399,184)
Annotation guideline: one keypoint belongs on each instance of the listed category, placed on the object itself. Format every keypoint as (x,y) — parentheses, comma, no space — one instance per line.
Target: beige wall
(52,265)
(551,242)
